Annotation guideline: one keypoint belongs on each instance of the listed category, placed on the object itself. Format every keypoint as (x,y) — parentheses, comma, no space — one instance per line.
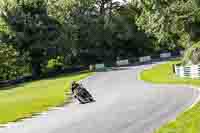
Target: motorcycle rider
(74,86)
(78,90)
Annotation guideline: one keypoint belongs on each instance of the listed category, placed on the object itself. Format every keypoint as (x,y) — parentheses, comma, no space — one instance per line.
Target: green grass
(188,121)
(28,99)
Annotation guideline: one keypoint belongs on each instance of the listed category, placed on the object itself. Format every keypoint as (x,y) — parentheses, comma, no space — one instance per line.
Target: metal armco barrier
(165,55)
(99,66)
(145,59)
(122,62)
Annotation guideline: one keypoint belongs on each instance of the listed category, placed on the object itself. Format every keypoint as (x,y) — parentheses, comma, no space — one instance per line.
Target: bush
(192,55)
(55,64)
(11,64)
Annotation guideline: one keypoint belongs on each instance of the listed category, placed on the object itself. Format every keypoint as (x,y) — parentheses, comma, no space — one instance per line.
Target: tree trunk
(110,10)
(36,70)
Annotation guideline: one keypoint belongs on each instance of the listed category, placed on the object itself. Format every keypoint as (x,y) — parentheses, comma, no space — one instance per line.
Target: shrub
(55,64)
(192,55)
(11,64)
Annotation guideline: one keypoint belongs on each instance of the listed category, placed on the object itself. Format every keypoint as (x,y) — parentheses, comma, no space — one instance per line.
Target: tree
(102,31)
(11,64)
(167,20)
(33,30)
(77,31)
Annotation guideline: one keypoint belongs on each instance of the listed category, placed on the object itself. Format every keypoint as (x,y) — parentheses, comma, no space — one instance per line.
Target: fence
(122,62)
(165,55)
(144,59)
(100,66)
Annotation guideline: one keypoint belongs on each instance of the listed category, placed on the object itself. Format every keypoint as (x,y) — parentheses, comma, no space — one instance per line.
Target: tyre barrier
(190,71)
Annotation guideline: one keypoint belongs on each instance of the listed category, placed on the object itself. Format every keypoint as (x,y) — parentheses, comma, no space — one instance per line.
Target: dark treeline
(38,36)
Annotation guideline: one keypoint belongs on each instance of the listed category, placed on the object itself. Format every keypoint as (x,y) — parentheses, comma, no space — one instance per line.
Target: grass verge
(27,99)
(187,122)
(163,74)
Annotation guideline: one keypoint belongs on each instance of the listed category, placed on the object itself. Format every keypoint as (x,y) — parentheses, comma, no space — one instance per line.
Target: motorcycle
(82,95)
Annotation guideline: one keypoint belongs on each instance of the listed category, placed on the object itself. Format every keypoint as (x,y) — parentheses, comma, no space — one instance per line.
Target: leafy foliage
(192,55)
(103,31)
(11,64)
(170,21)
(84,32)
(33,30)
